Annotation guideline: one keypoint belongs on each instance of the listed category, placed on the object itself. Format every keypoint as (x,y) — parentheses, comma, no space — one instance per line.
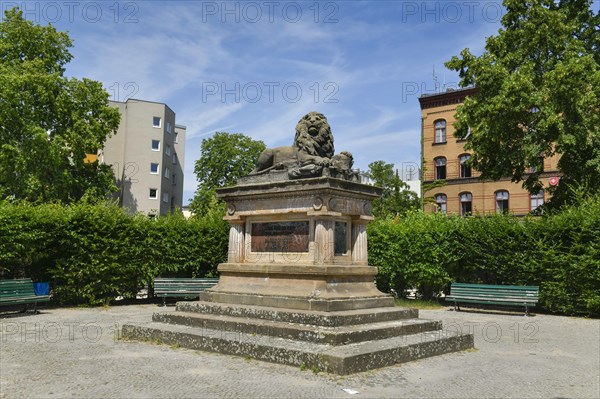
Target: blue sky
(256,67)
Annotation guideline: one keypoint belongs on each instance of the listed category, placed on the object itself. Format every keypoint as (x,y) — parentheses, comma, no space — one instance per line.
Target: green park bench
(182,287)
(497,295)
(20,292)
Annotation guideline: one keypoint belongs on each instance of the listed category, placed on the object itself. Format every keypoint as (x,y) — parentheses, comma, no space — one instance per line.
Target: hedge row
(94,253)
(560,253)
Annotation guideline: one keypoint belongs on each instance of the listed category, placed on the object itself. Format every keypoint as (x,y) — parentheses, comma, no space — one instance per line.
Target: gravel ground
(74,353)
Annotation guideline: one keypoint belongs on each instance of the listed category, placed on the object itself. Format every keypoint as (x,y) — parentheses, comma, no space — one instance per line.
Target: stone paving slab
(73,353)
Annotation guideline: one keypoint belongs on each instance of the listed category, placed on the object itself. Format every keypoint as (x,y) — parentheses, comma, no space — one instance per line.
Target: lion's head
(313,135)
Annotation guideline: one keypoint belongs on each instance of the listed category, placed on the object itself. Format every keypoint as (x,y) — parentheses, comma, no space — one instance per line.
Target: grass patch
(418,303)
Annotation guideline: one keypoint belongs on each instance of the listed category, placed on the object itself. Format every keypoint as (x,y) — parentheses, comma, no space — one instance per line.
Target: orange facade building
(460,190)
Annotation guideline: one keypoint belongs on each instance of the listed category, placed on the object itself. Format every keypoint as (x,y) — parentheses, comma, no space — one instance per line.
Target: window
(174,178)
(440,168)
(166,198)
(169,127)
(167,173)
(155,145)
(502,201)
(156,121)
(154,168)
(440,131)
(441,200)
(168,150)
(466,204)
(536,200)
(175,138)
(465,168)
(174,158)
(153,193)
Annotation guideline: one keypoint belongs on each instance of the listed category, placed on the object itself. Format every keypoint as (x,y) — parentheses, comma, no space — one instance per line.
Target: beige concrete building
(460,189)
(147,155)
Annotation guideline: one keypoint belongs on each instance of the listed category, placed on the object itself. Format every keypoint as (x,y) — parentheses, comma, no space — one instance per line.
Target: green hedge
(94,253)
(560,253)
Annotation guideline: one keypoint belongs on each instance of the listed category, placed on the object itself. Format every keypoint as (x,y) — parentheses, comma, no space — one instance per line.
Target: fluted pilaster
(359,243)
(236,242)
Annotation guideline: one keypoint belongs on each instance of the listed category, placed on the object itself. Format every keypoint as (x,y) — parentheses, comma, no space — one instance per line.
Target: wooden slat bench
(20,292)
(499,295)
(182,287)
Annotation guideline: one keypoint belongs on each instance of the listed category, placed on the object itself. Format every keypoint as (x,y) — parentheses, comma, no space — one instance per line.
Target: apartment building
(147,155)
(459,190)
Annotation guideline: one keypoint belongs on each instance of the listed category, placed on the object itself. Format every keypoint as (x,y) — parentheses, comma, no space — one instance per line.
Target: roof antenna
(435,79)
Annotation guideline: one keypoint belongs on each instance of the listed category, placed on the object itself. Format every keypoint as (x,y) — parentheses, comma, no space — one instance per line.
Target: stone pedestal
(299,244)
(297,288)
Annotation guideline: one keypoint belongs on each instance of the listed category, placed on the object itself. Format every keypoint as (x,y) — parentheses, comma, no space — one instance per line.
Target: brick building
(443,159)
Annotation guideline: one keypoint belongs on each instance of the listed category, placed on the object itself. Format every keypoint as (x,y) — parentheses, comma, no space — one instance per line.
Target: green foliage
(101,255)
(224,158)
(418,303)
(48,122)
(570,278)
(396,199)
(559,252)
(190,248)
(29,239)
(539,82)
(410,252)
(93,253)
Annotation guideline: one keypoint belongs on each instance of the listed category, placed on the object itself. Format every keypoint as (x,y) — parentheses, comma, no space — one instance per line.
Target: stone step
(303,332)
(333,301)
(344,359)
(317,318)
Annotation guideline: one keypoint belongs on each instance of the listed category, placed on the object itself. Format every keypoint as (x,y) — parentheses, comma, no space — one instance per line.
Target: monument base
(298,286)
(339,342)
(297,289)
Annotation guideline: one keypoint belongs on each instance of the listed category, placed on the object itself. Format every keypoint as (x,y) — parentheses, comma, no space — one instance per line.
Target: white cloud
(205,119)
(370,54)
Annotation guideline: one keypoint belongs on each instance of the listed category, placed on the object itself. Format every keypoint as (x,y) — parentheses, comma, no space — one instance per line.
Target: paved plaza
(75,353)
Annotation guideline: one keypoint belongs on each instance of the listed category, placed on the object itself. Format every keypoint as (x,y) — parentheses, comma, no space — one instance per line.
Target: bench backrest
(165,285)
(498,291)
(16,288)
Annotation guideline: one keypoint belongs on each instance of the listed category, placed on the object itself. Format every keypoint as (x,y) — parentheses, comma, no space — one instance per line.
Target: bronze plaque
(280,237)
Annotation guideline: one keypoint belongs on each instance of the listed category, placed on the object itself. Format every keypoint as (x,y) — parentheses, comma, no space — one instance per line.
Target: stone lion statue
(311,155)
(311,151)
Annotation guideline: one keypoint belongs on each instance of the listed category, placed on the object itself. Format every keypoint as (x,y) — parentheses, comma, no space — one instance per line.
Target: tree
(48,122)
(223,159)
(539,95)
(397,199)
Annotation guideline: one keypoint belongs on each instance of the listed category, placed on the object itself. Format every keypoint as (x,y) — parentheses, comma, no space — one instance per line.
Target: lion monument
(311,153)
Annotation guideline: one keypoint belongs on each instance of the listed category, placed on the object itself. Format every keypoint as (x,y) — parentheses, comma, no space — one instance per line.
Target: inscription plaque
(280,237)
